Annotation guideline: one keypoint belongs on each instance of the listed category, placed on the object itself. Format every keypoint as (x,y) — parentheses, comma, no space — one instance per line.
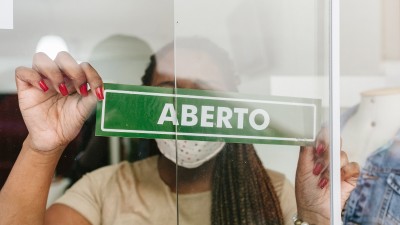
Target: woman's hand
(54,99)
(54,102)
(312,180)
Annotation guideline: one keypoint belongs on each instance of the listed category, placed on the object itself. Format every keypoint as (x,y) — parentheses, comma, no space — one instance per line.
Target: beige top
(133,193)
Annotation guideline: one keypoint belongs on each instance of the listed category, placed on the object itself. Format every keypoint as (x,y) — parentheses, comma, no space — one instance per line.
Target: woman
(55,102)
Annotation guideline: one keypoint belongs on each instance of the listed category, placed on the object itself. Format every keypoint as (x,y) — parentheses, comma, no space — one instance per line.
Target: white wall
(361,32)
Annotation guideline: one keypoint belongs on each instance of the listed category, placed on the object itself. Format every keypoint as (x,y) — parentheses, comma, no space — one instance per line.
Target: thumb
(87,104)
(349,176)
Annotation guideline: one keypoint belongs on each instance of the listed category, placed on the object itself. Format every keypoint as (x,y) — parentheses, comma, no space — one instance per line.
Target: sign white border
(314,107)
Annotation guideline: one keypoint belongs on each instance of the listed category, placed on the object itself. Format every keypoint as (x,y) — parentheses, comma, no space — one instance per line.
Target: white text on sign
(190,116)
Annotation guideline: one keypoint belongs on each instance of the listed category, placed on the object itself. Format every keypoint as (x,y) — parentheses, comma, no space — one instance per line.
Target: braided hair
(242,191)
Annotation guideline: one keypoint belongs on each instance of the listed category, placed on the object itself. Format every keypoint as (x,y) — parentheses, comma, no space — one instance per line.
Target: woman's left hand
(312,180)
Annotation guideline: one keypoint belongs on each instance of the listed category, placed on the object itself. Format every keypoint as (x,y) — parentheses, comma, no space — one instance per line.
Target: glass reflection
(266,43)
(370,123)
(168,182)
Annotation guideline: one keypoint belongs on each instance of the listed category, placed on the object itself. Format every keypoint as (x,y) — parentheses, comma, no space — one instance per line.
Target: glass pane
(253,58)
(370,96)
(117,38)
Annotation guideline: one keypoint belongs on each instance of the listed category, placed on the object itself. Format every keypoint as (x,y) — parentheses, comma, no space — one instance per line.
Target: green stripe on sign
(155,112)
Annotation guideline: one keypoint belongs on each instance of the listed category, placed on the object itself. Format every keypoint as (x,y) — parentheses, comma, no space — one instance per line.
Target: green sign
(186,114)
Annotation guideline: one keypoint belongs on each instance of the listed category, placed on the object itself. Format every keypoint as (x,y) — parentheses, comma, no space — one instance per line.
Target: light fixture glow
(51,45)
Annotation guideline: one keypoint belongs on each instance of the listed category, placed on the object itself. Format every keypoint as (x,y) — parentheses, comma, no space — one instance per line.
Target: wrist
(32,145)
(29,144)
(312,218)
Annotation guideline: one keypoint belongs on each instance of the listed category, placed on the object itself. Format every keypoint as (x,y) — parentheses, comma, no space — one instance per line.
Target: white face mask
(191,154)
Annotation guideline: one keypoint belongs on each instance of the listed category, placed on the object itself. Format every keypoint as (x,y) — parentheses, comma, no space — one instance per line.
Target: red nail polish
(43,85)
(99,93)
(63,89)
(317,169)
(322,183)
(320,149)
(83,90)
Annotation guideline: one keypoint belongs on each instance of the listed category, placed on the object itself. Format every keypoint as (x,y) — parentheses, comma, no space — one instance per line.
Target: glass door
(253,85)
(252,110)
(117,39)
(370,124)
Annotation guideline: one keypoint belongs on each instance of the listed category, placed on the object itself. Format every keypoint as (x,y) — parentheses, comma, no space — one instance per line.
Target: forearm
(24,195)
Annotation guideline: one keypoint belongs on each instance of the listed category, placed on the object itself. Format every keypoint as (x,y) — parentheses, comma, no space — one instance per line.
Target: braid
(242,190)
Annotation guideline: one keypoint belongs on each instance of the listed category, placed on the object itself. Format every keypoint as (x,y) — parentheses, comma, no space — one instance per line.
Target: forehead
(188,65)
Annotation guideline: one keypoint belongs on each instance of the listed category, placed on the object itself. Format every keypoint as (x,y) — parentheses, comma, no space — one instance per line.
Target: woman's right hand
(54,99)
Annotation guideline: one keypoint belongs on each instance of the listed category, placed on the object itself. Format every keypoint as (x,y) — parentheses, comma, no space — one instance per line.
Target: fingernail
(83,90)
(99,93)
(317,169)
(322,183)
(43,85)
(320,149)
(63,89)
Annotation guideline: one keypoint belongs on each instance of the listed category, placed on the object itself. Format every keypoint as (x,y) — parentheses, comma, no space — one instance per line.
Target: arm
(23,197)
(54,103)
(28,203)
(62,214)
(312,177)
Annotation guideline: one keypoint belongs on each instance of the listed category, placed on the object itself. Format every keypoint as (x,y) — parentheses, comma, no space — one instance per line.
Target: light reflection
(51,45)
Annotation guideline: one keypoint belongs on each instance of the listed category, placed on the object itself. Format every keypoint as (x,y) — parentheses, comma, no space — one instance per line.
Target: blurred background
(279,47)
